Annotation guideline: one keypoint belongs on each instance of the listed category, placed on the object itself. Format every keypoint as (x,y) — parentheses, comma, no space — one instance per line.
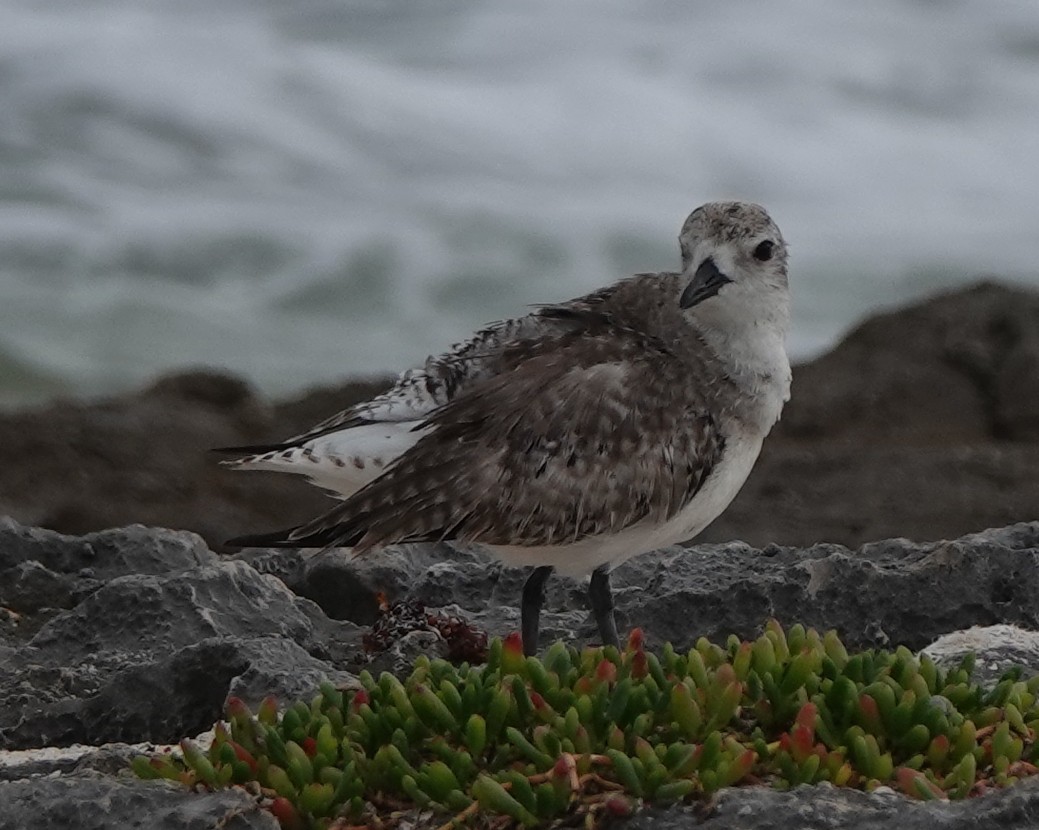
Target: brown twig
(462,817)
(598,780)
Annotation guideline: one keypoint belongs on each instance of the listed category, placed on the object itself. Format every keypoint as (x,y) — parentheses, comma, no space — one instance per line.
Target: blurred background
(305,191)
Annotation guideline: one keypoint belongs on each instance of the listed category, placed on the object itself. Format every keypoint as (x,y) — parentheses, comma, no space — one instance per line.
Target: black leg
(530,608)
(602,606)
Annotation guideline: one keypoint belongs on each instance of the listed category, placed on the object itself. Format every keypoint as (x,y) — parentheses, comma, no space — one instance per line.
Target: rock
(890,592)
(227,599)
(153,655)
(31,587)
(145,457)
(280,667)
(30,763)
(922,422)
(884,593)
(849,493)
(93,801)
(824,807)
(346,587)
(42,572)
(182,693)
(937,372)
(994,648)
(183,640)
(400,656)
(99,556)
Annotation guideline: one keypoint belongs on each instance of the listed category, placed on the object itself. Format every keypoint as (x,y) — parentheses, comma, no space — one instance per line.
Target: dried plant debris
(578,736)
(464,642)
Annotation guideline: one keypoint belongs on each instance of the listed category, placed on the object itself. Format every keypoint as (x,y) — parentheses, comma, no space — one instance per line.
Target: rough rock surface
(828,808)
(894,591)
(153,631)
(92,801)
(993,647)
(923,422)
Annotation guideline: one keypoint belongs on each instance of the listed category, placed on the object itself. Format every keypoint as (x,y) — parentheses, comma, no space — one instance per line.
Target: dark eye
(764,250)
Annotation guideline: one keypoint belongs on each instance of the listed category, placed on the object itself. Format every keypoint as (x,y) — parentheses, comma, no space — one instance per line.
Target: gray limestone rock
(884,593)
(94,801)
(151,632)
(104,555)
(824,807)
(995,648)
(151,654)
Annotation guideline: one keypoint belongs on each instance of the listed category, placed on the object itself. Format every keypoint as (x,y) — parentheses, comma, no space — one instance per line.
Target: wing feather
(565,444)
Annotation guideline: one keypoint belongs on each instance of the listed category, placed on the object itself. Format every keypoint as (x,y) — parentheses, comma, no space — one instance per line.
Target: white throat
(747,331)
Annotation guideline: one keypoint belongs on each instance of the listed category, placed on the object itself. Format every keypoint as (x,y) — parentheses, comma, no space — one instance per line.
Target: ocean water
(302,191)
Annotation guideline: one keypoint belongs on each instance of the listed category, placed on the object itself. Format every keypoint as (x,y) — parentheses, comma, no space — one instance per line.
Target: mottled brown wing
(588,433)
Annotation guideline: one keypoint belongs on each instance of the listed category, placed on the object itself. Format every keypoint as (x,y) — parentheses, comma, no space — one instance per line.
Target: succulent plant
(598,731)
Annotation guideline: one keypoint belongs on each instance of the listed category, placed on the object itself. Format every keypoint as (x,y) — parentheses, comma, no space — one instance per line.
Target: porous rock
(93,801)
(41,569)
(884,593)
(824,807)
(153,655)
(994,647)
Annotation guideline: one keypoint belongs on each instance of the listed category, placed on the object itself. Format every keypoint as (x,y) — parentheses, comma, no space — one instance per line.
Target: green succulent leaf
(537,741)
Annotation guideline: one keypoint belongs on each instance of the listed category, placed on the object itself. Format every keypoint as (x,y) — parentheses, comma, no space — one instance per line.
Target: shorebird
(577,436)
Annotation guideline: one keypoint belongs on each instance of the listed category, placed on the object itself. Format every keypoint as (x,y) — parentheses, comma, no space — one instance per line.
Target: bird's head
(734,266)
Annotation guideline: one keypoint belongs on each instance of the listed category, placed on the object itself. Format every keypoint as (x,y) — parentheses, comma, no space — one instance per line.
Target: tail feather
(252,449)
(339,423)
(335,536)
(277,539)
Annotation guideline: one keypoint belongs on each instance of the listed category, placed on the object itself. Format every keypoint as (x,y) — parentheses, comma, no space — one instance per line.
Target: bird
(574,437)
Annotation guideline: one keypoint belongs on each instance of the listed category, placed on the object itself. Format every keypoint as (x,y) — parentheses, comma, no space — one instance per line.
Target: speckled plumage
(580,434)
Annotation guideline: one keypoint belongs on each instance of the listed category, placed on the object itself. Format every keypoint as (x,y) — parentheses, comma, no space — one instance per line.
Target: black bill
(706,282)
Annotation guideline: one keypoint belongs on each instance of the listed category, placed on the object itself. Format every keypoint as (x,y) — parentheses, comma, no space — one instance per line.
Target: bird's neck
(752,352)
